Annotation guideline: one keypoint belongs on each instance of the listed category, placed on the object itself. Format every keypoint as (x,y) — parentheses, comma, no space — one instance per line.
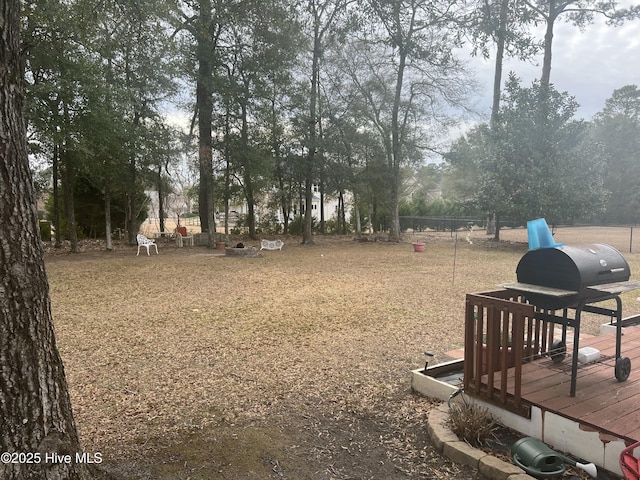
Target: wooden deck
(601,402)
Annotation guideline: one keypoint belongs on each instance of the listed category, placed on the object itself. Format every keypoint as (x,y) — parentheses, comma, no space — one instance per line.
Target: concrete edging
(448,444)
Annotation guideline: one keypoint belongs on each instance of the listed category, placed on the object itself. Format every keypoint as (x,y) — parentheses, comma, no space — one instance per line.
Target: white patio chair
(183,238)
(145,242)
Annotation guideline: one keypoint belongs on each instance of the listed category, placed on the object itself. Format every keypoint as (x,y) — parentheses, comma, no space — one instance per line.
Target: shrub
(45,231)
(270,225)
(296,226)
(331,226)
(472,423)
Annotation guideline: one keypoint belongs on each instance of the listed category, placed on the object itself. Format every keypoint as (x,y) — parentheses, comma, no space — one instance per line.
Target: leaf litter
(292,365)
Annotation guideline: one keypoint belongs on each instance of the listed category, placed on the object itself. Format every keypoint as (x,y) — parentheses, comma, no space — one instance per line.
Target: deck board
(601,401)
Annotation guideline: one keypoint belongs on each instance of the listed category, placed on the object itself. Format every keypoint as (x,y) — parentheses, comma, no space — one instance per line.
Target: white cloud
(592,64)
(587,64)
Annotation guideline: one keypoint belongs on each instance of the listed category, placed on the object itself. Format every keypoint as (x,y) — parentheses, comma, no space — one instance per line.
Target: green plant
(269,224)
(472,423)
(296,226)
(45,231)
(332,226)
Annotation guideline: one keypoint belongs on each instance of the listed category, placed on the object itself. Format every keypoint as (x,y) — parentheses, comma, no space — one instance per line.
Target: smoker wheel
(623,368)
(558,351)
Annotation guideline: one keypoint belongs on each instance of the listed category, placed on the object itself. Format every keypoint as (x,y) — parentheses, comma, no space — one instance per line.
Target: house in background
(330,206)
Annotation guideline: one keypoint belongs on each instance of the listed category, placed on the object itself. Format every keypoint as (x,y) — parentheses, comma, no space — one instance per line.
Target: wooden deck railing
(501,333)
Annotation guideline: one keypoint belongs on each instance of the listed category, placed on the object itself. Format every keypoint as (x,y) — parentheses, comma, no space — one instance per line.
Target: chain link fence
(625,238)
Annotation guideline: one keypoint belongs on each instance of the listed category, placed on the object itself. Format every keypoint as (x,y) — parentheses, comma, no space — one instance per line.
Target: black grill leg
(618,327)
(576,347)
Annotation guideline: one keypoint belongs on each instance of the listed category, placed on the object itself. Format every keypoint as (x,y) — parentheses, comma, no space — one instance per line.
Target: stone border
(246,252)
(448,444)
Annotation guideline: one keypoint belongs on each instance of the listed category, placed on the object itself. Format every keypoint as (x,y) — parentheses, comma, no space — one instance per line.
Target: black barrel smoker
(573,278)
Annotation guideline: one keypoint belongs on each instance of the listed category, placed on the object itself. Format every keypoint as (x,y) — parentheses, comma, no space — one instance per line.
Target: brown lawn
(293,365)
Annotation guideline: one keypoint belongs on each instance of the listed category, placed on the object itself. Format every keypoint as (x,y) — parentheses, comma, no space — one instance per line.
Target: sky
(589,65)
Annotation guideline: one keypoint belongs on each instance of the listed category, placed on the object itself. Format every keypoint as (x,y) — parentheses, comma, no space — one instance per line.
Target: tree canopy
(617,130)
(295,102)
(526,168)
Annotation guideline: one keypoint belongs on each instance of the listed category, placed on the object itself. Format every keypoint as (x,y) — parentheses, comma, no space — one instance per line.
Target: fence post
(631,241)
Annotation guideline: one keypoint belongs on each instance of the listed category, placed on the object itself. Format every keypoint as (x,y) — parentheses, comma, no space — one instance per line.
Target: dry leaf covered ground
(293,365)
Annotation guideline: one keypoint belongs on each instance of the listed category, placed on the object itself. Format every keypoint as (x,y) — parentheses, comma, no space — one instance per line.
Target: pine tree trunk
(356,212)
(307,233)
(204,104)
(161,200)
(35,409)
(56,196)
(68,180)
(397,153)
(107,222)
(132,207)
